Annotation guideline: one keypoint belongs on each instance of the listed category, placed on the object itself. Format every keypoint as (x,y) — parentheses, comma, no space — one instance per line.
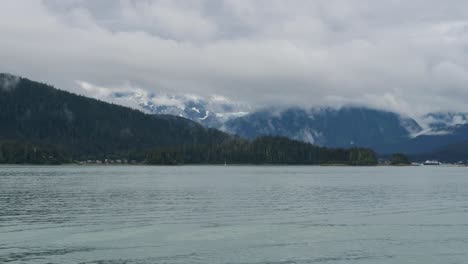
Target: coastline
(223,165)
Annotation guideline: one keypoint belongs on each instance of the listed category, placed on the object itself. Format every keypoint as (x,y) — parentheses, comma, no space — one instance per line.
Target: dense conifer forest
(263,150)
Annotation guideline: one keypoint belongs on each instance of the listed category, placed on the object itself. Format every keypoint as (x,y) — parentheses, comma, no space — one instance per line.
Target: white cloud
(403,56)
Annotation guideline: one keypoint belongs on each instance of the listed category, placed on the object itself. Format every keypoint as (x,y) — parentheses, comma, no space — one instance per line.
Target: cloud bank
(405,56)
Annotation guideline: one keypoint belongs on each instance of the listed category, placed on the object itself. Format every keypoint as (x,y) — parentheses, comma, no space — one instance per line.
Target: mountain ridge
(344,127)
(39,113)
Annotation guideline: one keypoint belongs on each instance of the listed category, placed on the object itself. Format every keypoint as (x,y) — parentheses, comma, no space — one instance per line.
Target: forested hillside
(36,113)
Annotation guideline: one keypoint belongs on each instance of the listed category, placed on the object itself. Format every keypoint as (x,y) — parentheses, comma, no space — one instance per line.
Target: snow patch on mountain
(413,127)
(442,123)
(211,111)
(309,135)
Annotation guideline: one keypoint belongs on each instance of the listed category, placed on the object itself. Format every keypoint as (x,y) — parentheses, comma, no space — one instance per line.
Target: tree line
(12,152)
(263,150)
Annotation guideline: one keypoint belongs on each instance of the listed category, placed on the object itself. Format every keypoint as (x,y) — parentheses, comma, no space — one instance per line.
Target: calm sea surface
(209,214)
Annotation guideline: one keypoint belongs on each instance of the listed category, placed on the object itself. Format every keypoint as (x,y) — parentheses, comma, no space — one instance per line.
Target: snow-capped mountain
(444,122)
(212,111)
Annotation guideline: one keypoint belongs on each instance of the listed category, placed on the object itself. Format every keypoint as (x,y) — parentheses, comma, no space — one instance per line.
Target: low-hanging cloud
(405,56)
(8,82)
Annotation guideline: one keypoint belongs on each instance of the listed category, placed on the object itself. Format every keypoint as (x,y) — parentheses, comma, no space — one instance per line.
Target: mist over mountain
(211,111)
(348,126)
(444,122)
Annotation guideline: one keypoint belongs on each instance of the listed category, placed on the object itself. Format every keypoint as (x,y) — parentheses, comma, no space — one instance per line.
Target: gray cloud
(405,56)
(8,82)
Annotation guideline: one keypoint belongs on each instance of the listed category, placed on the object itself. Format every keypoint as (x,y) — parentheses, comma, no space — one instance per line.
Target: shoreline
(223,165)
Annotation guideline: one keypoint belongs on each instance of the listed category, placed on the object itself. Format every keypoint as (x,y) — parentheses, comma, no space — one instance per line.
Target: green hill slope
(36,113)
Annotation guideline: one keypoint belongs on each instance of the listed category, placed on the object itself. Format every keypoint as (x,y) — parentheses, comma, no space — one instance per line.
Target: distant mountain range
(39,113)
(384,131)
(456,152)
(345,127)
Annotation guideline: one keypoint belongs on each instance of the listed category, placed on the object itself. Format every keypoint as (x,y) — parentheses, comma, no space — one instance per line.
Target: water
(200,214)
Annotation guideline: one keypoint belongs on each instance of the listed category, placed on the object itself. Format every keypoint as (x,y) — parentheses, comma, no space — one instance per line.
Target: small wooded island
(399,159)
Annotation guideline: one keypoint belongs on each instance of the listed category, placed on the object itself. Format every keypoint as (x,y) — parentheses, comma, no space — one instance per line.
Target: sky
(405,56)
